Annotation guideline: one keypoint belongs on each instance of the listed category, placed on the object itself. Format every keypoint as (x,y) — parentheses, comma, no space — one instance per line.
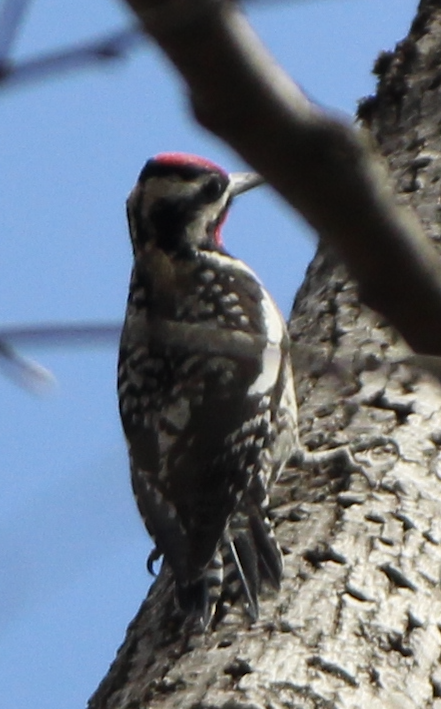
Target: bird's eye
(213,189)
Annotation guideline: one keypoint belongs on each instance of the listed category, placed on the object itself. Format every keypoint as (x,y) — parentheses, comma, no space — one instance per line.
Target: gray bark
(358,620)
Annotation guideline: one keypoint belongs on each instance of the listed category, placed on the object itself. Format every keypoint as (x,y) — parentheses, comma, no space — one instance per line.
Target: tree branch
(323,166)
(11,17)
(356,622)
(113,46)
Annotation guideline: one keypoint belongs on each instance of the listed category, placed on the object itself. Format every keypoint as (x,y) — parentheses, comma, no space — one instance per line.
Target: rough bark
(358,620)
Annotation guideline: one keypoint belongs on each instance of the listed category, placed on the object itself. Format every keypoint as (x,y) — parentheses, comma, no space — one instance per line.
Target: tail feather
(270,555)
(200,597)
(248,557)
(251,557)
(246,570)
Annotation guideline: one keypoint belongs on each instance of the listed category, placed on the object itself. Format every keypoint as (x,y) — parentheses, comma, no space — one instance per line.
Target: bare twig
(114,46)
(61,334)
(30,373)
(321,165)
(11,17)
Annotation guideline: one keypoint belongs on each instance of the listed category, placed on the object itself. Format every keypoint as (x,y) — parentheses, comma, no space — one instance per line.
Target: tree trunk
(358,620)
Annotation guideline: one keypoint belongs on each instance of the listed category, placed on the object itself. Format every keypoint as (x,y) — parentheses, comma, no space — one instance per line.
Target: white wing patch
(274,326)
(271,355)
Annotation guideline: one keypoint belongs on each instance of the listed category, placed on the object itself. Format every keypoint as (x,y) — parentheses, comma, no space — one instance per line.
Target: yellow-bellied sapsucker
(205,387)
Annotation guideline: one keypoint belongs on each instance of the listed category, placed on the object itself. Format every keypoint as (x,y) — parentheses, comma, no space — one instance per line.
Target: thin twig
(25,371)
(30,373)
(12,13)
(61,334)
(114,46)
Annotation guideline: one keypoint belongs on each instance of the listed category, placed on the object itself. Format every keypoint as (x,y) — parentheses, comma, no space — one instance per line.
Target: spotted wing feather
(205,428)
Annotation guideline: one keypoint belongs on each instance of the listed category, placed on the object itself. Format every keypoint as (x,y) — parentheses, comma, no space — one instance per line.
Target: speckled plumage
(205,389)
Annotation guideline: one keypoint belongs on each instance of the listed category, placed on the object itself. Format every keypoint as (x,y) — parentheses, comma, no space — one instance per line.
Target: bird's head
(180,203)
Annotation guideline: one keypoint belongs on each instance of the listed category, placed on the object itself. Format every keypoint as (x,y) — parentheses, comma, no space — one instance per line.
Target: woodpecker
(205,388)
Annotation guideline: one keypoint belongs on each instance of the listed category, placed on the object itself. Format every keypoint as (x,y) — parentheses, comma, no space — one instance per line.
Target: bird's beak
(244,181)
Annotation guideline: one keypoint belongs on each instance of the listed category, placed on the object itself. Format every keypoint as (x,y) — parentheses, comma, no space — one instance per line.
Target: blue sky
(72,557)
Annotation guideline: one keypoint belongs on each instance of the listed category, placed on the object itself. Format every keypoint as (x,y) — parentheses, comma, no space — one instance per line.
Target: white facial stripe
(206,216)
(175,187)
(164,187)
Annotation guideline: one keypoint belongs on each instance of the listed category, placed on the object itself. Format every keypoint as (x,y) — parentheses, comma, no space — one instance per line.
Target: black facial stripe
(169,219)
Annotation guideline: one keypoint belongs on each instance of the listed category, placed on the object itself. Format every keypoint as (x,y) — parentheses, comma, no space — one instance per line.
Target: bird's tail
(251,557)
(248,556)
(201,597)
